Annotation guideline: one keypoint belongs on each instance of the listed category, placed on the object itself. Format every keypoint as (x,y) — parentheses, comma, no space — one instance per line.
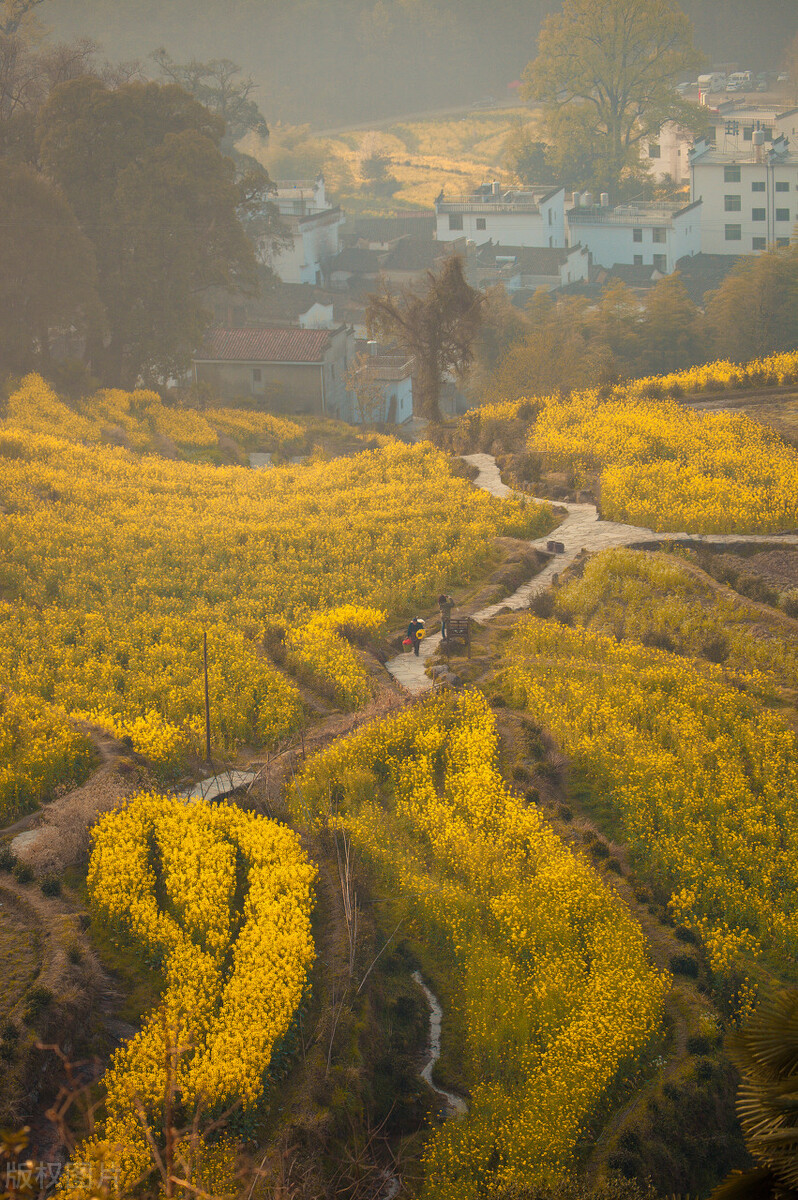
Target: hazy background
(333,61)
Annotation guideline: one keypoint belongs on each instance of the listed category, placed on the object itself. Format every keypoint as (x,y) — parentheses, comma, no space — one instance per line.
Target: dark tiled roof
(415,254)
(264,344)
(356,260)
(530,260)
(387,229)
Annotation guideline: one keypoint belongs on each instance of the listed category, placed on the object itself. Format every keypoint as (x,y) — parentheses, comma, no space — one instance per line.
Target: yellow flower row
(546,973)
(234,978)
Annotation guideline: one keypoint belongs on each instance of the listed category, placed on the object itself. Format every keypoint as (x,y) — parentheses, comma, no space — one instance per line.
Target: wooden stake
(207,699)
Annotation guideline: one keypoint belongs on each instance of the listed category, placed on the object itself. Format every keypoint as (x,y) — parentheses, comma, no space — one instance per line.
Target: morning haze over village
(398,600)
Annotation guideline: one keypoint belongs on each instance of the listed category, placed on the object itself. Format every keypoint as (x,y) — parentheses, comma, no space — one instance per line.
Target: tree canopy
(47,269)
(605,72)
(142,169)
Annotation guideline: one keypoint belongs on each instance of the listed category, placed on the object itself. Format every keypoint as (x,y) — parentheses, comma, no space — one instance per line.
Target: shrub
(657,639)
(39,998)
(7,858)
(9,1031)
(684,964)
(50,885)
(757,588)
(614,865)
(22,872)
(565,813)
(716,648)
(599,848)
(75,954)
(7,1052)
(789,603)
(685,934)
(521,774)
(699,1043)
(542,605)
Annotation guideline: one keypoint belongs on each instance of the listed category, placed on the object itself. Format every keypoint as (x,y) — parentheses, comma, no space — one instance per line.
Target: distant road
(382,122)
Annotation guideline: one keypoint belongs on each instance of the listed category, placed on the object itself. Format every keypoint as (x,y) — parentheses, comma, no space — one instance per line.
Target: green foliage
(142,169)
(48,277)
(754,312)
(605,72)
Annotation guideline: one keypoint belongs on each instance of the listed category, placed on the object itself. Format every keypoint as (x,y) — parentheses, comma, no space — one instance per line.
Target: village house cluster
(296,346)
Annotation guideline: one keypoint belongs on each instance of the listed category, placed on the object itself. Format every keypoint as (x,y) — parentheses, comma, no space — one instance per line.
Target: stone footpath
(580,530)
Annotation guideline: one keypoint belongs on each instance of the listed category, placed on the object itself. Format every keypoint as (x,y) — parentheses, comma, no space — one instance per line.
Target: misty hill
(347,60)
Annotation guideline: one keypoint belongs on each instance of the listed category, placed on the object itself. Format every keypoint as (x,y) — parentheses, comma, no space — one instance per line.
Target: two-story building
(749,196)
(533,216)
(646,234)
(313,227)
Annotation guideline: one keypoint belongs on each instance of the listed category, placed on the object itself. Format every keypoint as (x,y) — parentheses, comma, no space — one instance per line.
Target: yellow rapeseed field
(553,991)
(663,466)
(702,778)
(112,564)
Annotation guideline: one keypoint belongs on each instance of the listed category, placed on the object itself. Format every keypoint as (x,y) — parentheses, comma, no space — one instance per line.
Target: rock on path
(580,530)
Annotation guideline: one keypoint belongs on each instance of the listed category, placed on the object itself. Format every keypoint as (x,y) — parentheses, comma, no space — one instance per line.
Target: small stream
(455,1105)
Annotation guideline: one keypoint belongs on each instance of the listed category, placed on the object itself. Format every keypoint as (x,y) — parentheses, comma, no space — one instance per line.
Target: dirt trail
(582,529)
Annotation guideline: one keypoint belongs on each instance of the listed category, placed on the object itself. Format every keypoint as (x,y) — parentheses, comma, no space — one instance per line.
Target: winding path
(580,530)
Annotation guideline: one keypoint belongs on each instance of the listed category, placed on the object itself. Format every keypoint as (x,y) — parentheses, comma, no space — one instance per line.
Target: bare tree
(437,327)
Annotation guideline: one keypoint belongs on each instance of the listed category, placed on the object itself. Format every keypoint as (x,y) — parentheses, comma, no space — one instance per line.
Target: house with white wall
(287,369)
(533,216)
(313,227)
(749,196)
(666,156)
(390,374)
(655,234)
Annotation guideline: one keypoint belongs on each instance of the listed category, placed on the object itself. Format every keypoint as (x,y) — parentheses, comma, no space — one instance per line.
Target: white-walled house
(314,228)
(667,155)
(393,374)
(533,216)
(655,234)
(749,197)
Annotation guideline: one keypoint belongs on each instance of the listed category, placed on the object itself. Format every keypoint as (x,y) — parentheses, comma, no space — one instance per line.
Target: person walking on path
(445,604)
(415,631)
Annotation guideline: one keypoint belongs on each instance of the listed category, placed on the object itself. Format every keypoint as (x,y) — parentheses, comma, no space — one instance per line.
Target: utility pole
(207,699)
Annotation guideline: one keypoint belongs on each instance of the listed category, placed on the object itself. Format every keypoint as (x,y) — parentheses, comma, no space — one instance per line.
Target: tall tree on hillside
(437,327)
(13,13)
(143,172)
(48,279)
(610,65)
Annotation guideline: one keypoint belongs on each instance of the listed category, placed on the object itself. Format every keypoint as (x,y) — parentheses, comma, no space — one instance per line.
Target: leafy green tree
(220,86)
(671,332)
(142,169)
(609,66)
(437,327)
(755,309)
(525,155)
(47,271)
